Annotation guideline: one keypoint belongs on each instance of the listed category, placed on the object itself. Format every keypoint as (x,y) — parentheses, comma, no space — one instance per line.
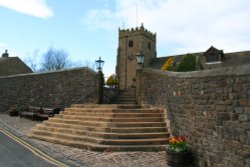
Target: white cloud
(182,25)
(100,19)
(37,8)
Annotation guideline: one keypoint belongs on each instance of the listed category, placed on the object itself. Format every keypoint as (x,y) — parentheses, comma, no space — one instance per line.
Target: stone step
(140,110)
(113,115)
(126,91)
(98,140)
(106,106)
(105,135)
(130,106)
(106,129)
(110,119)
(153,141)
(125,102)
(119,127)
(125,98)
(126,94)
(108,124)
(100,147)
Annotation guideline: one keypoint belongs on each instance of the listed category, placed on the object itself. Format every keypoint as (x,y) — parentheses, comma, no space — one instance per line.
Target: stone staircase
(125,97)
(106,128)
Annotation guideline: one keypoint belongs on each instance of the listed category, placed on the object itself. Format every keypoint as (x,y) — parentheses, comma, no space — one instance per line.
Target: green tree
(187,63)
(112,81)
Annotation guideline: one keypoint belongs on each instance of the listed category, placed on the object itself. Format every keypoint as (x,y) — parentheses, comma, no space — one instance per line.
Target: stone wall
(52,89)
(211,108)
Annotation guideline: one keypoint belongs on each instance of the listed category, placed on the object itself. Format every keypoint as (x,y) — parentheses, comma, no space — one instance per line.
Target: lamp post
(99,64)
(140,59)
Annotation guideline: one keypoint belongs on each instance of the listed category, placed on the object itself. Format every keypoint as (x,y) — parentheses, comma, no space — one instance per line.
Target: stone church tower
(131,42)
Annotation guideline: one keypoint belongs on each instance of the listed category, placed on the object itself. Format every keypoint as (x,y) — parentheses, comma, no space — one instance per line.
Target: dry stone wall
(52,89)
(211,108)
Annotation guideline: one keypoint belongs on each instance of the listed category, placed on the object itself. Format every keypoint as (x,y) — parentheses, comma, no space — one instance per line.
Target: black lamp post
(140,59)
(99,65)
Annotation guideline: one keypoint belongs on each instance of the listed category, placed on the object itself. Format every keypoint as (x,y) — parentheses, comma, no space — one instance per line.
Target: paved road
(13,154)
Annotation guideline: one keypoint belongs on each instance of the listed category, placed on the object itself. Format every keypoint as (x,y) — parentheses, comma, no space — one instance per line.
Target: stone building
(133,41)
(12,65)
(210,59)
(214,58)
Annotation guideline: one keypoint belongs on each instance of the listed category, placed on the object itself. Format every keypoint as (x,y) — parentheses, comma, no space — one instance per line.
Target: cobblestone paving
(80,157)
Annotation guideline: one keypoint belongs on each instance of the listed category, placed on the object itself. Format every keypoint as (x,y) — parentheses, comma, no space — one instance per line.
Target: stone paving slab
(80,157)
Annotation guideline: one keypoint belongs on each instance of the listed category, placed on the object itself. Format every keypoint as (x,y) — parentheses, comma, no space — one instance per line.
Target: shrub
(168,64)
(187,63)
(112,81)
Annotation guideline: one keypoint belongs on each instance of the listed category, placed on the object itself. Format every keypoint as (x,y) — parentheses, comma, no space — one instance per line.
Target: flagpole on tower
(136,14)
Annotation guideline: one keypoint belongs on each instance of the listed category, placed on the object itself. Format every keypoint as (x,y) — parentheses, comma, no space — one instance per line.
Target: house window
(213,58)
(130,43)
(213,55)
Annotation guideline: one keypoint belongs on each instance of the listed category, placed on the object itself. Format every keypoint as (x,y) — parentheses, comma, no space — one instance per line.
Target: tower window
(149,45)
(130,43)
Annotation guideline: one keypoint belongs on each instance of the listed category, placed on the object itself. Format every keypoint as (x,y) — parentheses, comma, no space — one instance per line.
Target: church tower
(131,42)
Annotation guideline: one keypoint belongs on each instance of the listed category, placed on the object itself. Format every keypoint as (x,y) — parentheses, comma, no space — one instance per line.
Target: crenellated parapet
(135,31)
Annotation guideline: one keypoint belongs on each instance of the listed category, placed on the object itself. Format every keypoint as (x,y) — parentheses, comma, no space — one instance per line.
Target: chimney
(6,54)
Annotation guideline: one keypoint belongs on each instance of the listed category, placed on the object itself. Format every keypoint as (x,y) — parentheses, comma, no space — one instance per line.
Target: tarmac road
(14,154)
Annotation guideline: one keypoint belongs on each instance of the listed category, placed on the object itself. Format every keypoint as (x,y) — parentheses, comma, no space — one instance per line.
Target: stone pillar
(138,86)
(100,87)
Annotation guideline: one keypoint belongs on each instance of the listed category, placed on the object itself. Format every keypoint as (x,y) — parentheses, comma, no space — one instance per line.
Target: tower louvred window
(130,43)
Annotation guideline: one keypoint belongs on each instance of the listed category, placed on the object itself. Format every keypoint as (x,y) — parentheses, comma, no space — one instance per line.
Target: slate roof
(236,58)
(159,62)
(229,59)
(13,66)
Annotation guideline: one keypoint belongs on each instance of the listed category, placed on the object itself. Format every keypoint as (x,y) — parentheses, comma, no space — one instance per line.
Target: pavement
(74,157)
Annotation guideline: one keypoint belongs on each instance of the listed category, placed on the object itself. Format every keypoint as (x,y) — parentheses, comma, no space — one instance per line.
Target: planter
(178,159)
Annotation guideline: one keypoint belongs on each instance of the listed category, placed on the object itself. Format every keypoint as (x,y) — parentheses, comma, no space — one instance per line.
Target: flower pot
(178,159)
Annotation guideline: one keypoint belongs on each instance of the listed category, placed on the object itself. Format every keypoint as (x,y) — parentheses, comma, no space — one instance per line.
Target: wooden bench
(45,113)
(38,113)
(30,112)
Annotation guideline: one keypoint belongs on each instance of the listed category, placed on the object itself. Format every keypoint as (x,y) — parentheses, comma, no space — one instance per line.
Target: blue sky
(88,29)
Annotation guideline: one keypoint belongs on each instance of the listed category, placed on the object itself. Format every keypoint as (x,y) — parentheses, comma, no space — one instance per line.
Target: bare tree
(55,59)
(33,61)
(86,63)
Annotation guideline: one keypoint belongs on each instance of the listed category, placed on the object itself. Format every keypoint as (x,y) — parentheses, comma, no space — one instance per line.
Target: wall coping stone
(226,71)
(50,72)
